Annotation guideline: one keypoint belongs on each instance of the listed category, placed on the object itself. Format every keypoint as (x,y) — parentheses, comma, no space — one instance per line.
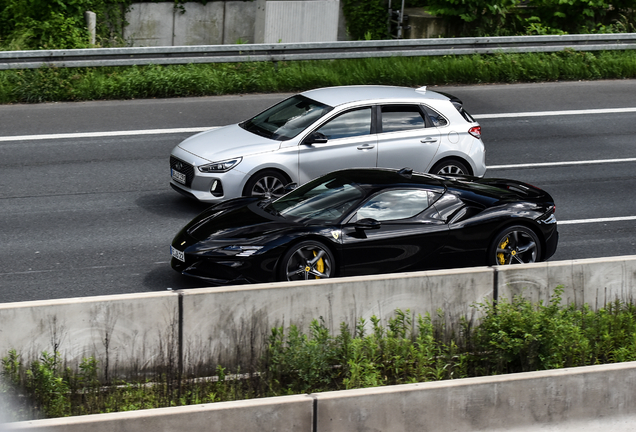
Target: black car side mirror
(290,187)
(367,223)
(315,138)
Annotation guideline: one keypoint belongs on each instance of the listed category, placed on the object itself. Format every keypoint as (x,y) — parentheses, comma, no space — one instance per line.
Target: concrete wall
(287,413)
(215,23)
(301,21)
(569,399)
(231,326)
(592,398)
(593,281)
(422,25)
(131,332)
(230,22)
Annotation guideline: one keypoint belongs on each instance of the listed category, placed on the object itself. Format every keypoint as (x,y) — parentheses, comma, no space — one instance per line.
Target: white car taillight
(475,131)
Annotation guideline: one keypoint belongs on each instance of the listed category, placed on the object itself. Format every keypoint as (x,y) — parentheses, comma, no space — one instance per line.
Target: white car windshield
(286,119)
(326,201)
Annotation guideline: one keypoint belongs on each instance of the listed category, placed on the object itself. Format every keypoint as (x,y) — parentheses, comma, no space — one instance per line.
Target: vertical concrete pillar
(91,20)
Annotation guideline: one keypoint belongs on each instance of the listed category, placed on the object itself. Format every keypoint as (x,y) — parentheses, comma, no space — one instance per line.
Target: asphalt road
(85,215)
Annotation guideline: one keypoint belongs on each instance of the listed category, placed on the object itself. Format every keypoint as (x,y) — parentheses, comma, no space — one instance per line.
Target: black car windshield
(286,119)
(324,200)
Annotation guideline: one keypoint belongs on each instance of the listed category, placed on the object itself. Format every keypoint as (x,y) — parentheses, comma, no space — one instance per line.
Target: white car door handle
(365,147)
(428,140)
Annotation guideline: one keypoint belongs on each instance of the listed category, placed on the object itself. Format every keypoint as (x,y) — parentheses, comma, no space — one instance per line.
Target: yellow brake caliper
(320,265)
(500,255)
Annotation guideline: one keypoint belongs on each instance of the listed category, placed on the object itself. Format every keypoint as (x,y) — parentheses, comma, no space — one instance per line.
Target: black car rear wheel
(307,260)
(515,245)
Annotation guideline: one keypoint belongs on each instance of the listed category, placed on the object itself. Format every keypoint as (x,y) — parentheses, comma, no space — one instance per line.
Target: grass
(513,336)
(135,82)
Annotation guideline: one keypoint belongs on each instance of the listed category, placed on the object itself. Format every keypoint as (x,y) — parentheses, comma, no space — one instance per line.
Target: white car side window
(349,124)
(397,118)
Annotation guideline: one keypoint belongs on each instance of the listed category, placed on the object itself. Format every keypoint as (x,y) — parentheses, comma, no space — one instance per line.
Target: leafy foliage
(366,19)
(58,24)
(79,84)
(513,336)
(514,17)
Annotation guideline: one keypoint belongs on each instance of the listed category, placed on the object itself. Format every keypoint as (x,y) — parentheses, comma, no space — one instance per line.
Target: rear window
(436,118)
(459,107)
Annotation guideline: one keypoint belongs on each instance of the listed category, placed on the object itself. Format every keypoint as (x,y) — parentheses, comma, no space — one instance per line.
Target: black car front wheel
(307,260)
(515,245)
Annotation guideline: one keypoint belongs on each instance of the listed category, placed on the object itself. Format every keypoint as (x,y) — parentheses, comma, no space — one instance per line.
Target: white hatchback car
(322,130)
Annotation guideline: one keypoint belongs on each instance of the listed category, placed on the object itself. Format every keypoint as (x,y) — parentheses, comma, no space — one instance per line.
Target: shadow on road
(163,277)
(170,204)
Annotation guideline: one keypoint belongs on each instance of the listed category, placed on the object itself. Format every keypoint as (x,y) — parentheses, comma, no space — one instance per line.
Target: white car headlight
(222,166)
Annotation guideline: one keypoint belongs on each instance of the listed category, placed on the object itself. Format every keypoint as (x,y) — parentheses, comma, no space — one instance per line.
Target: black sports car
(368,221)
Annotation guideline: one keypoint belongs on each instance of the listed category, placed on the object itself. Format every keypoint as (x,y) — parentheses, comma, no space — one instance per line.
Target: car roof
(469,187)
(383,177)
(334,96)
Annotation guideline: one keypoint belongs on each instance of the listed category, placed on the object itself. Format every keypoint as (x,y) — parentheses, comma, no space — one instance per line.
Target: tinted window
(286,119)
(323,200)
(436,118)
(395,204)
(349,124)
(399,118)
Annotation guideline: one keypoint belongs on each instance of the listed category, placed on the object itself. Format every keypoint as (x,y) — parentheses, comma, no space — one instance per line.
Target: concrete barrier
(557,400)
(591,398)
(596,281)
(125,332)
(201,328)
(286,413)
(231,326)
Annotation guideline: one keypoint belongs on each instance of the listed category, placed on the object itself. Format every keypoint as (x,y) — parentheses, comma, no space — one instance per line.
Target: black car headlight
(241,251)
(222,166)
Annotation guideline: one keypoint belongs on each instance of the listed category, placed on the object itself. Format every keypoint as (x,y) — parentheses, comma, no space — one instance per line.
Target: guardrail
(311,51)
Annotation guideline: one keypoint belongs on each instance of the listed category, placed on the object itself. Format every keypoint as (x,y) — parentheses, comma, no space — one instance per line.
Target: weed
(512,336)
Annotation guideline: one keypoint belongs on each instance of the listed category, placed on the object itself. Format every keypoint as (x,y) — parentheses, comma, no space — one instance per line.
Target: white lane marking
(555,113)
(105,134)
(598,220)
(201,129)
(565,163)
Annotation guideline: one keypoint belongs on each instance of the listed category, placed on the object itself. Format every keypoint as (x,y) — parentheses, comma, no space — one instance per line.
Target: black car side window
(395,204)
(436,118)
(349,124)
(401,117)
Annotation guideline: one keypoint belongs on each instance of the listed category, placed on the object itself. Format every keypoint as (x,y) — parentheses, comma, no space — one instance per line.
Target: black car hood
(243,218)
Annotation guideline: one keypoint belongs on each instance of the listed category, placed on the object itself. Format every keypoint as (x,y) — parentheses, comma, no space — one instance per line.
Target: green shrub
(80,84)
(366,19)
(513,336)
(59,24)
(510,17)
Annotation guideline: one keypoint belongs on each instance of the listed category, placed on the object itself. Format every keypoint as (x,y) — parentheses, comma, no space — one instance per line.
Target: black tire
(515,245)
(450,167)
(305,261)
(266,184)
